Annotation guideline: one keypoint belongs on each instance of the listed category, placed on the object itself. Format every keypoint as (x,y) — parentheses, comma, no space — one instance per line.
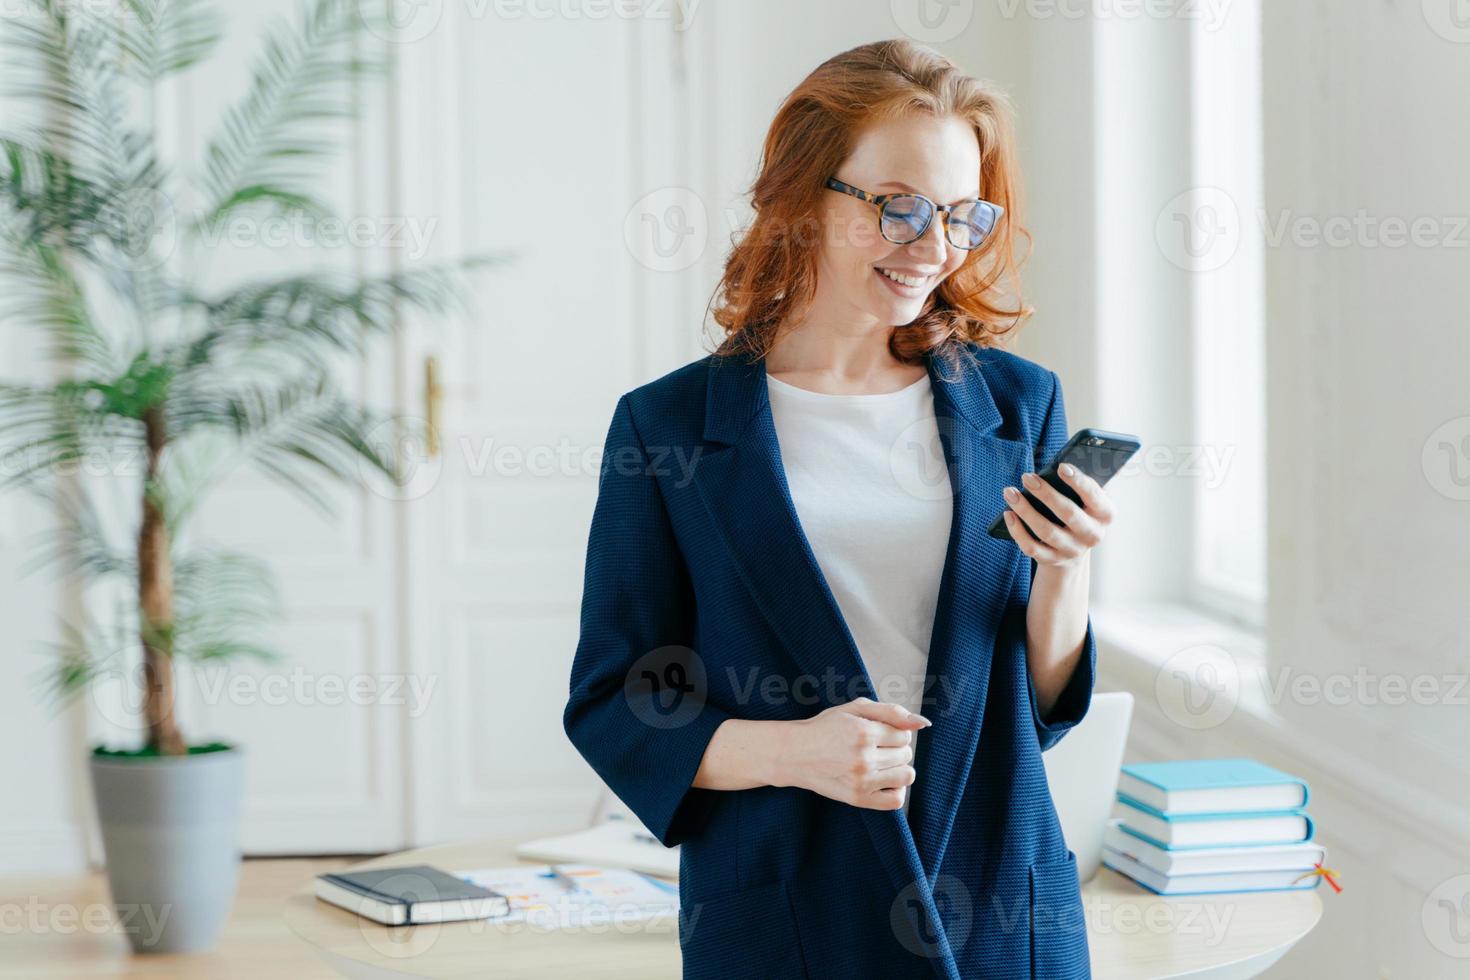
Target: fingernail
(1010,493)
(1028,478)
(1068,469)
(926,721)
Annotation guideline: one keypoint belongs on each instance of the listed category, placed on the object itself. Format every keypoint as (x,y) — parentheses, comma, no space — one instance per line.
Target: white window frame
(1228,319)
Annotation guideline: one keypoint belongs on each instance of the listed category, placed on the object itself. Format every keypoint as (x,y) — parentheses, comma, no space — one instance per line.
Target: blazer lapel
(974,586)
(745,491)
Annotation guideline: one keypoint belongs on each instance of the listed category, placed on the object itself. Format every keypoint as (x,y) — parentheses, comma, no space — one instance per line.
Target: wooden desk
(358,947)
(1133,934)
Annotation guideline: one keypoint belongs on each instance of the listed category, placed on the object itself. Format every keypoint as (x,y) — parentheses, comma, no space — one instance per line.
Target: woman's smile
(908,284)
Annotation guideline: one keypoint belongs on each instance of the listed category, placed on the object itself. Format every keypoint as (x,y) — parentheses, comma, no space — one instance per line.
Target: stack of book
(1212,825)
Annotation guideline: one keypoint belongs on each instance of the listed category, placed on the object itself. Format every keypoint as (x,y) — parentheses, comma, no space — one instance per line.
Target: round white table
(1132,933)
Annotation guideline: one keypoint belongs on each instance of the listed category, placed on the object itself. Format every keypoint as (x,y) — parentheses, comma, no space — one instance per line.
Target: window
(1228,305)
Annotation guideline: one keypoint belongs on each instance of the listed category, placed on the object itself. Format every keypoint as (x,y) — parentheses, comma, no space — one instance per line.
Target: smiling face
(863,279)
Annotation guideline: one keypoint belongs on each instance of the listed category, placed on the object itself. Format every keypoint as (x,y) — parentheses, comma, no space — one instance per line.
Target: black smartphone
(1097,453)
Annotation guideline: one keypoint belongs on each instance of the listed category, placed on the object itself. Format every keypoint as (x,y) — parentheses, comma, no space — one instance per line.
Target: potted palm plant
(95,253)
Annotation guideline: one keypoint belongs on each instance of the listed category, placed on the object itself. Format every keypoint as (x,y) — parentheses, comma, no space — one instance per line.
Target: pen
(564,878)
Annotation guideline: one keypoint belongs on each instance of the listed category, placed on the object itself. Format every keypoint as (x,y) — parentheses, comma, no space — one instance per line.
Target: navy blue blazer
(703,601)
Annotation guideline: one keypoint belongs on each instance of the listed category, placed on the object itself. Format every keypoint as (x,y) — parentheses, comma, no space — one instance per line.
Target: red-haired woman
(802,657)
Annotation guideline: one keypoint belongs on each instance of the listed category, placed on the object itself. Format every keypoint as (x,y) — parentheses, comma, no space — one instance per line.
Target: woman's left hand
(1081,530)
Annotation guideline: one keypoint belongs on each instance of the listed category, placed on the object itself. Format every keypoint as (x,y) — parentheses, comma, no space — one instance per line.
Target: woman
(802,657)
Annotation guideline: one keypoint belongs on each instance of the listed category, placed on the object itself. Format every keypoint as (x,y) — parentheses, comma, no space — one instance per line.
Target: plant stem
(156,601)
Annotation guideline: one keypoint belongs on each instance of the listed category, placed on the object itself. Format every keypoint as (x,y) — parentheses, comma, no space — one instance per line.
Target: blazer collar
(744,489)
(736,392)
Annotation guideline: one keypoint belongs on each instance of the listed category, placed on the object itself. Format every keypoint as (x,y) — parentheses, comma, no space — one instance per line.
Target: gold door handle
(433,404)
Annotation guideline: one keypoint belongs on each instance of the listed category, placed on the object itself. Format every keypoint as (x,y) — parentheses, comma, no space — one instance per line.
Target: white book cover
(1201,884)
(1217,860)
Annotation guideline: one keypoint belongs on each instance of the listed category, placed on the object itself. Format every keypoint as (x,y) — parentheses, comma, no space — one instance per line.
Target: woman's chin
(897,309)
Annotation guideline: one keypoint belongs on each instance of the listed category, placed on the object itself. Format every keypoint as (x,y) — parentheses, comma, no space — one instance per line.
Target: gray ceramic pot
(171,833)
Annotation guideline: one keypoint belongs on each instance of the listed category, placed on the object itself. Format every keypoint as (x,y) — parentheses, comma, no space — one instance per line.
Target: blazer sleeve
(1072,705)
(636,709)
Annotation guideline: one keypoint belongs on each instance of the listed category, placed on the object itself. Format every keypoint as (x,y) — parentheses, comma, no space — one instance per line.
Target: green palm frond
(190,467)
(89,652)
(79,544)
(161,37)
(224,600)
(325,437)
(43,430)
(266,145)
(53,53)
(58,227)
(297,432)
(106,197)
(48,203)
(62,56)
(315,316)
(37,289)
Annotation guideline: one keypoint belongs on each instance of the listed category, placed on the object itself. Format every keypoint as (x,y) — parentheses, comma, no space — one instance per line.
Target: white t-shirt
(871,490)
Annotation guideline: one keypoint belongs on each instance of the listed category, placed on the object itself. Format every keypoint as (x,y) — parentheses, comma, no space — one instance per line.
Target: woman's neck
(839,362)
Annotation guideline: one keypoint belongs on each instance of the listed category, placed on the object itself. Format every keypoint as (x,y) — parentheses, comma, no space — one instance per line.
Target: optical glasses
(904,218)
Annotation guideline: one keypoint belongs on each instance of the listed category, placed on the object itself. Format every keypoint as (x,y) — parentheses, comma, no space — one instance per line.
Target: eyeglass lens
(906,217)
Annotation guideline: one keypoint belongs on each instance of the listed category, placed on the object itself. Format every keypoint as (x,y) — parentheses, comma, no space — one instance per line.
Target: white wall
(40,830)
(1369,411)
(40,827)
(1368,355)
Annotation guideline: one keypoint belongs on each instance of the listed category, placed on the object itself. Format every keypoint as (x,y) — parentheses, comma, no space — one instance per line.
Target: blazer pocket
(748,935)
(1058,925)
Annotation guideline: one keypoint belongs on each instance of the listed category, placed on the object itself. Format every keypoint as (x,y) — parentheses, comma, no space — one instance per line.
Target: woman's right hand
(860,753)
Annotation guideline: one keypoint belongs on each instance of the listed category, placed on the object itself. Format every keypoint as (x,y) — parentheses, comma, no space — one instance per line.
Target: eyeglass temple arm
(838,185)
(944,209)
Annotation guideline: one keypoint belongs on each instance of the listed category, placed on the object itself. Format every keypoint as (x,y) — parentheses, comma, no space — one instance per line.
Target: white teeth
(906,280)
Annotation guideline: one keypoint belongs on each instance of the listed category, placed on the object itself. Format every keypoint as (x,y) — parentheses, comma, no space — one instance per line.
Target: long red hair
(771,273)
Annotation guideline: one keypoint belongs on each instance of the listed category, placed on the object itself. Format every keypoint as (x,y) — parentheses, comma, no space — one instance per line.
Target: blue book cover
(1181,818)
(1187,774)
(1147,878)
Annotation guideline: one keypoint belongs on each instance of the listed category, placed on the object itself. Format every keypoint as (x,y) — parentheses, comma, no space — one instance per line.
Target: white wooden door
(323,730)
(524,130)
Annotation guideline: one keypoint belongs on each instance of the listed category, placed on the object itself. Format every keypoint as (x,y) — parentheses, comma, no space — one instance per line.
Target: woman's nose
(934,243)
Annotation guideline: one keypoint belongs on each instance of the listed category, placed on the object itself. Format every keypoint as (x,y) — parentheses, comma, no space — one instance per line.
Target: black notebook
(410,895)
